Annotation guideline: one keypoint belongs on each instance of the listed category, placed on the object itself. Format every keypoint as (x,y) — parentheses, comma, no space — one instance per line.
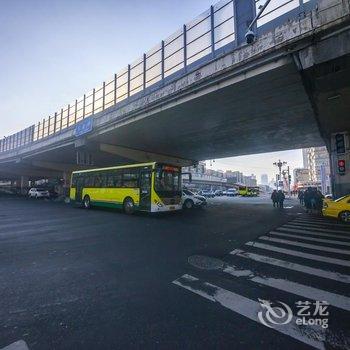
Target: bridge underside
(268,112)
(273,110)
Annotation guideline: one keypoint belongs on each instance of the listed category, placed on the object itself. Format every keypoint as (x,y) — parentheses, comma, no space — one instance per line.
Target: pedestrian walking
(319,202)
(280,197)
(274,198)
(307,199)
(301,197)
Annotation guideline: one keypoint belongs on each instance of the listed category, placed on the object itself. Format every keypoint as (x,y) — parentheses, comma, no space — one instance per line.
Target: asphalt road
(99,279)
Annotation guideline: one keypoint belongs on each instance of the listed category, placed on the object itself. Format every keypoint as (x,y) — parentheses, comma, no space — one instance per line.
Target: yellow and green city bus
(151,187)
(247,191)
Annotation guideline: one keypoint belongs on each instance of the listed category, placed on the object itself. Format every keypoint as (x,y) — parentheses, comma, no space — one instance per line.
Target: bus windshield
(167,180)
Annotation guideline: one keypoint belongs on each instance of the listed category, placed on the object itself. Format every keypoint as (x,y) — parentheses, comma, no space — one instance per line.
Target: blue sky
(54,51)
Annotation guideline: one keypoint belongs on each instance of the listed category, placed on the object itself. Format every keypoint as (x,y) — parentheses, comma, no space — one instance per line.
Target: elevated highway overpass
(204,93)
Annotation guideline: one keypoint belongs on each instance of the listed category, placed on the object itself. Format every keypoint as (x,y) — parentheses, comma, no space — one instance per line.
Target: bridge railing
(213,33)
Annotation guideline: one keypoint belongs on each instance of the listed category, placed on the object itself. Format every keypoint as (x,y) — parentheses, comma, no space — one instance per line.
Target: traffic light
(340,143)
(290,178)
(341,166)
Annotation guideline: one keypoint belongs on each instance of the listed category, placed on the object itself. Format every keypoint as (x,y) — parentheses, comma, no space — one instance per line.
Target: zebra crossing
(303,262)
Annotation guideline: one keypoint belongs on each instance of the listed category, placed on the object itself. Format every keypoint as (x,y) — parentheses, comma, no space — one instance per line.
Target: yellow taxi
(339,208)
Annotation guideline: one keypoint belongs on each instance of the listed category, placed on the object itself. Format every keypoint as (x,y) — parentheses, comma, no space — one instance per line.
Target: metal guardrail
(207,36)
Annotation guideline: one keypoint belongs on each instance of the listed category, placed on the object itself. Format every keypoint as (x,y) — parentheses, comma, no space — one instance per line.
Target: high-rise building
(318,166)
(301,177)
(305,158)
(264,179)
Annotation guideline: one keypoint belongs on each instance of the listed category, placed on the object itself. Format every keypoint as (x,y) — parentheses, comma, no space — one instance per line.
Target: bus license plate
(172,208)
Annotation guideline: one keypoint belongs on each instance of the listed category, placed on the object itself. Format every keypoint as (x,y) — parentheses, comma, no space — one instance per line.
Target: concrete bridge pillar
(66,183)
(340,163)
(24,185)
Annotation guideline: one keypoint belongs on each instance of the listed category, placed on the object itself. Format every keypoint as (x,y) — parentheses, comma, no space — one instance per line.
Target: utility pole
(279,164)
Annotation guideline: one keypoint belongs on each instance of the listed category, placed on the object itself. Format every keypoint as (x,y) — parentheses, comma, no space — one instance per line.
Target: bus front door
(79,189)
(145,190)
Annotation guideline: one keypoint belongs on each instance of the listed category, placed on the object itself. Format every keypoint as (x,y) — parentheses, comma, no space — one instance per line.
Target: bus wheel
(86,202)
(128,205)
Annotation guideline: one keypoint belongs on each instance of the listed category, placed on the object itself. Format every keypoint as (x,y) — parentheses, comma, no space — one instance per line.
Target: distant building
(305,158)
(203,178)
(250,180)
(264,179)
(317,160)
(234,177)
(301,177)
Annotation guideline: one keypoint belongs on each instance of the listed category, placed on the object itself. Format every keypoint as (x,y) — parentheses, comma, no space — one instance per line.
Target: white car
(191,200)
(38,193)
(231,192)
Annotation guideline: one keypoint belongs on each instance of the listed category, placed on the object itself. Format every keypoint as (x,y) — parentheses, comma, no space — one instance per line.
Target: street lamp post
(279,164)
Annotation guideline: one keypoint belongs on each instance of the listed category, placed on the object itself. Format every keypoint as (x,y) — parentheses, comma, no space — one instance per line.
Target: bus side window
(110,180)
(118,177)
(89,181)
(131,178)
(98,180)
(104,179)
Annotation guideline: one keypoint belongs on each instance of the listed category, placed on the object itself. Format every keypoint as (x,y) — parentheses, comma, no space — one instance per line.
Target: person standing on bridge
(280,197)
(274,198)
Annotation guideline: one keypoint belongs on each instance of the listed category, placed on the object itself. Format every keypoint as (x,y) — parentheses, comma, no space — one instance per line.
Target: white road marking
(249,308)
(317,225)
(306,245)
(17,345)
(317,228)
(323,222)
(292,266)
(289,228)
(311,221)
(337,300)
(331,241)
(309,256)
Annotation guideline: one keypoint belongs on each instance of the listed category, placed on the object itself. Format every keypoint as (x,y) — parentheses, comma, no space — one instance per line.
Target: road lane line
(331,241)
(292,266)
(306,245)
(316,228)
(288,228)
(337,300)
(250,309)
(304,255)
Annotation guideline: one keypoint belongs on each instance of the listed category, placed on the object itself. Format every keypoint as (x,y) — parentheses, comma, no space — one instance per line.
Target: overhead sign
(340,143)
(83,127)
